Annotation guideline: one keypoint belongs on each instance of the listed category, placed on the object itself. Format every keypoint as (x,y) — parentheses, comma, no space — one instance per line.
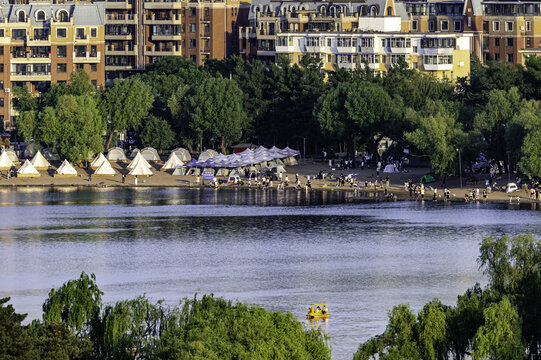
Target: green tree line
(77,325)
(495,111)
(499,321)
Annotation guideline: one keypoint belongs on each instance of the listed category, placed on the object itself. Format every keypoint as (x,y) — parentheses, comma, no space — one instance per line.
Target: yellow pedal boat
(318,311)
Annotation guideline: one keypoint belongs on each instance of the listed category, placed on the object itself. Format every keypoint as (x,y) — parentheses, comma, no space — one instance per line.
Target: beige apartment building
(42,43)
(351,34)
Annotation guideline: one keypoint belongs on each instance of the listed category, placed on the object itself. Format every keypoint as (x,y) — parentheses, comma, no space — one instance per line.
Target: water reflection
(280,250)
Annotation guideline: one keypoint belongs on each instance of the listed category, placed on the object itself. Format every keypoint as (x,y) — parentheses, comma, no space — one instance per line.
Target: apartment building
(140,32)
(350,34)
(42,43)
(506,31)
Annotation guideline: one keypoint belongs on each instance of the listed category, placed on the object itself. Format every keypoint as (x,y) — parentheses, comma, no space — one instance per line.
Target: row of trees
(76,325)
(497,322)
(495,111)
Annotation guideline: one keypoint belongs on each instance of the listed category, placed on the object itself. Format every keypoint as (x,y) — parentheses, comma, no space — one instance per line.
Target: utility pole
(459,166)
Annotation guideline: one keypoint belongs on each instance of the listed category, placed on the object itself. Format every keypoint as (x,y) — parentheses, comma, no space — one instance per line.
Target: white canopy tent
(98,160)
(39,162)
(27,170)
(138,158)
(66,170)
(105,169)
(12,156)
(150,154)
(140,170)
(116,154)
(182,154)
(5,162)
(172,162)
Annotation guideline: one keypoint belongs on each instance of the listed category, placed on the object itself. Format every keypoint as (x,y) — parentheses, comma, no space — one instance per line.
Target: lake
(279,250)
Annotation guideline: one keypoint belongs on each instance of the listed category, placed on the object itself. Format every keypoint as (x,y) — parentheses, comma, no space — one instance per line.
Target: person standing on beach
(422,192)
(435,194)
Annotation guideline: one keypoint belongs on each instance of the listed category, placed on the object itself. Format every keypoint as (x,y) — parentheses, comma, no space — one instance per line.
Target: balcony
(130,51)
(30,76)
(401,50)
(166,37)
(119,36)
(33,59)
(117,67)
(435,51)
(163,4)
(152,51)
(129,19)
(347,66)
(284,48)
(153,20)
(346,49)
(438,67)
(39,41)
(87,57)
(118,5)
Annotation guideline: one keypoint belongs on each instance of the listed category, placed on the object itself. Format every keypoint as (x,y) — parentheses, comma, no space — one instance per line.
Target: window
(508,26)
(329,58)
(192,11)
(63,16)
(40,15)
(80,33)
(1,68)
(192,44)
(192,28)
(79,66)
(495,26)
(469,21)
(21,16)
(431,26)
(93,32)
(94,83)
(510,58)
(529,42)
(61,51)
(94,67)
(415,49)
(496,57)
(444,25)
(80,51)
(496,41)
(458,26)
(18,34)
(1,102)
(1,50)
(395,59)
(61,68)
(509,41)
(383,59)
(193,58)
(414,25)
(528,26)
(61,33)
(1,84)
(93,51)
(367,42)
(41,34)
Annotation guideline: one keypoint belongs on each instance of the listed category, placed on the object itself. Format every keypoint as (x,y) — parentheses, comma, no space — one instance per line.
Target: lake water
(279,250)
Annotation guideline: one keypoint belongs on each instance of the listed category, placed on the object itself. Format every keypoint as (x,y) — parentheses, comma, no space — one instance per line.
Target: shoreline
(164,179)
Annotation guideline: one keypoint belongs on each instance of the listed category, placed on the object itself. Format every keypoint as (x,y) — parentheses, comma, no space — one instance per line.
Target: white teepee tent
(39,162)
(66,170)
(98,160)
(140,170)
(138,158)
(171,163)
(105,169)
(27,170)
(5,161)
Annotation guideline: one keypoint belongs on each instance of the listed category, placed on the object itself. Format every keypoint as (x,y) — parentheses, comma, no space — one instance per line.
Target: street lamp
(508,167)
(459,166)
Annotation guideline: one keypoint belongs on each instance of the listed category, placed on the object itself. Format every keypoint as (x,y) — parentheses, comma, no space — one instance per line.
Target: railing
(120,17)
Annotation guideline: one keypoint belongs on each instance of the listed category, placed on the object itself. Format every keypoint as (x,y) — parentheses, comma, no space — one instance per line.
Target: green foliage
(157,133)
(438,133)
(77,303)
(74,127)
(212,109)
(125,104)
(23,100)
(499,337)
(499,322)
(212,328)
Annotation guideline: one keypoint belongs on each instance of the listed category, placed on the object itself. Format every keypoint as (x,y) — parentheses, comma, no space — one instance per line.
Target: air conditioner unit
(7,90)
(522,28)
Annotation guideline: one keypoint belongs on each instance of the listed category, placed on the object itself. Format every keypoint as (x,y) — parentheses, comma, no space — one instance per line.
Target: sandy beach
(395,190)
